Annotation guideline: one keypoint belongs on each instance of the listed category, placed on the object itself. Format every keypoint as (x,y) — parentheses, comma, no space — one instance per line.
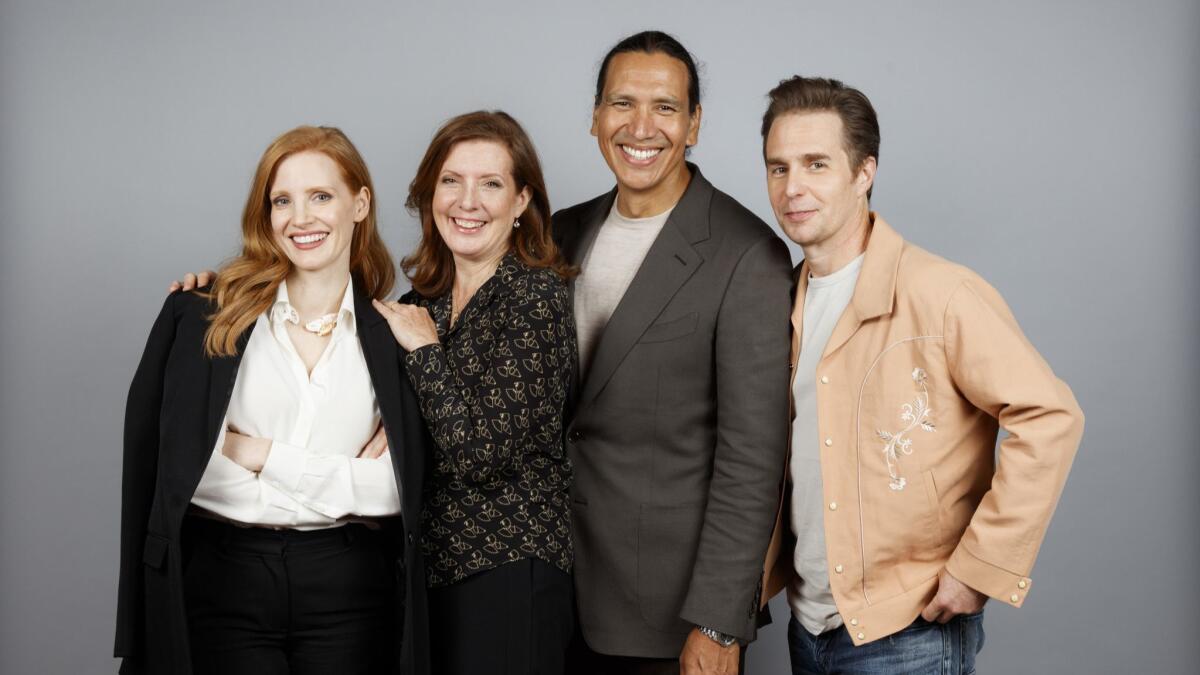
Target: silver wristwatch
(717,636)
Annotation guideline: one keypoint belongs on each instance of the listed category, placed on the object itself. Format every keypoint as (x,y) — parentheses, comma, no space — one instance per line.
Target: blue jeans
(923,648)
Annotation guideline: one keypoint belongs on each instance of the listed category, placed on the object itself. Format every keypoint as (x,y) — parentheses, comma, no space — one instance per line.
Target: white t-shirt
(809,596)
(608,269)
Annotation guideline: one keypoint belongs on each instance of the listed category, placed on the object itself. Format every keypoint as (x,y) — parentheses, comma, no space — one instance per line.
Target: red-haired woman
(491,351)
(258,536)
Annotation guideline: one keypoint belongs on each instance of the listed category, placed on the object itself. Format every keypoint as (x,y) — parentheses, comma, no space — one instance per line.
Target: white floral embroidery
(916,414)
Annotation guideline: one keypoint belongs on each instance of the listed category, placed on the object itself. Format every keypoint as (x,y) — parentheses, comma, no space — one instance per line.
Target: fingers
(175,285)
(189,281)
(375,447)
(382,308)
(932,611)
(205,278)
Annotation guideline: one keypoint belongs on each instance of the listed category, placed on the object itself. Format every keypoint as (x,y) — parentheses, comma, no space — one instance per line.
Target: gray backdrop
(1050,146)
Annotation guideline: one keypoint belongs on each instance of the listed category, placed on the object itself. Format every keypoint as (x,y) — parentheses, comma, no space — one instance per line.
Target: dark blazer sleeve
(140,466)
(751,357)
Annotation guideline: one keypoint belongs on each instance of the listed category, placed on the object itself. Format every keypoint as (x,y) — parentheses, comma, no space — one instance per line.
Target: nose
(469,197)
(300,213)
(796,183)
(642,125)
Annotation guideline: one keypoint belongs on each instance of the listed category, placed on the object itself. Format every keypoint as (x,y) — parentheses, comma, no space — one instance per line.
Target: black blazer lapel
(223,375)
(383,364)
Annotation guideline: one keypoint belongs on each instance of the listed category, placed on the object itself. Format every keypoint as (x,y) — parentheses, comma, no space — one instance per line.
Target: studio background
(1054,147)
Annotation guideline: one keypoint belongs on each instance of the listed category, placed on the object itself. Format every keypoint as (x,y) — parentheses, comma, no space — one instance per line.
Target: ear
(522,202)
(595,119)
(362,204)
(693,136)
(865,177)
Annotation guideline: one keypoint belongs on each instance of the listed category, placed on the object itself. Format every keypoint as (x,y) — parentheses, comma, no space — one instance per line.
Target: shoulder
(738,224)
(412,297)
(935,280)
(533,283)
(571,215)
(189,306)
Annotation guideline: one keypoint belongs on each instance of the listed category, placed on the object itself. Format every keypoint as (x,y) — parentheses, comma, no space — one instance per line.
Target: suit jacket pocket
(670,329)
(667,540)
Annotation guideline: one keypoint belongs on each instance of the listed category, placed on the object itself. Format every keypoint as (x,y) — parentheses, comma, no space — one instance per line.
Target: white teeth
(310,238)
(640,154)
(468,224)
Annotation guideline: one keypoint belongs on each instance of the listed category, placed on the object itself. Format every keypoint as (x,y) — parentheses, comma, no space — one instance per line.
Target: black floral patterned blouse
(493,393)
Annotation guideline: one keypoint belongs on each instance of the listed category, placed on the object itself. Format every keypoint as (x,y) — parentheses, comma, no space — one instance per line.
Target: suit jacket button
(575,436)
(410,538)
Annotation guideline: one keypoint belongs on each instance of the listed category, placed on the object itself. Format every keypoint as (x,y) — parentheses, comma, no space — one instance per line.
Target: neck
(644,204)
(315,293)
(469,275)
(826,257)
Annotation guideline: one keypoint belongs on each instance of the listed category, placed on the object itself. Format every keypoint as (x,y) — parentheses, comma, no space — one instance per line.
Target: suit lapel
(578,240)
(669,263)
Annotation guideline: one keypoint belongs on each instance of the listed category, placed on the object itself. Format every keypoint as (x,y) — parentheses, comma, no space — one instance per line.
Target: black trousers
(516,619)
(276,602)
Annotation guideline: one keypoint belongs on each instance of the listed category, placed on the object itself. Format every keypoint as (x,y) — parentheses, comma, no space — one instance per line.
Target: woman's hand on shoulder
(411,325)
(193,281)
(248,452)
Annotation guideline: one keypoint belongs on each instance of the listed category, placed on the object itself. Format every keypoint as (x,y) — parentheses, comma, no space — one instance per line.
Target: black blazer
(176,403)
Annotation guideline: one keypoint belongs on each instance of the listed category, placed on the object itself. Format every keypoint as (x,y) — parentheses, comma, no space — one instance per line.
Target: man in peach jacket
(899,519)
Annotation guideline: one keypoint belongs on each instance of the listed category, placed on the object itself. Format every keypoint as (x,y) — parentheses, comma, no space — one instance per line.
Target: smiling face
(313,211)
(643,126)
(476,201)
(819,198)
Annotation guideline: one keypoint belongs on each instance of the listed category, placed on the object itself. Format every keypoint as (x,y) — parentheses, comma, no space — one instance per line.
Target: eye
(280,202)
(448,180)
(664,108)
(778,170)
(494,184)
(322,197)
(817,165)
(620,104)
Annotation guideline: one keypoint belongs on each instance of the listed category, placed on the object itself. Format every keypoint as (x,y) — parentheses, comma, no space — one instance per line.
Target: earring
(516,222)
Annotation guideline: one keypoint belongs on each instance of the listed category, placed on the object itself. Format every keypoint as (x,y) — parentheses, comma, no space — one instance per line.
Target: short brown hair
(431,267)
(819,94)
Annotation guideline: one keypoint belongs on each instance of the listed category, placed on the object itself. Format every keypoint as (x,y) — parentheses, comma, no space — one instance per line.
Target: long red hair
(246,285)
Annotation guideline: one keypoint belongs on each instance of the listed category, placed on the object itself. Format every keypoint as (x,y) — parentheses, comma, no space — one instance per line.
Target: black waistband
(272,541)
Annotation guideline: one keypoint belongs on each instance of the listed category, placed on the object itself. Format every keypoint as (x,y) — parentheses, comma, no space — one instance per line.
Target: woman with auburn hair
(491,352)
(263,518)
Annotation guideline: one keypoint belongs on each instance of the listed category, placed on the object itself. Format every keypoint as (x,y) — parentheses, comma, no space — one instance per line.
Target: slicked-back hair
(820,94)
(653,42)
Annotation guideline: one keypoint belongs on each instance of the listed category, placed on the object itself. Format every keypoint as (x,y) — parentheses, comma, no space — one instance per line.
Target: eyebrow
(315,188)
(807,158)
(486,175)
(617,95)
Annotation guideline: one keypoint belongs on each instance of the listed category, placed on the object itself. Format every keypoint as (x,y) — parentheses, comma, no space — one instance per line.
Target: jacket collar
(689,215)
(875,291)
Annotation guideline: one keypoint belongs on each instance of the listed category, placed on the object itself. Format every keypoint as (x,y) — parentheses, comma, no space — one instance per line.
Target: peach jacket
(923,364)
